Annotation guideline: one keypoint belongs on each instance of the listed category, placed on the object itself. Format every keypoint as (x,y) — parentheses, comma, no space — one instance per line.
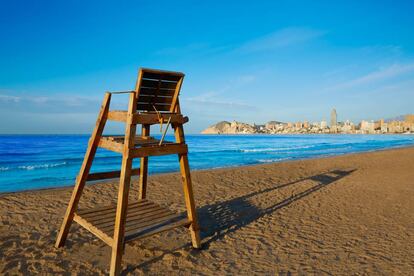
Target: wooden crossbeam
(111,145)
(147,118)
(159,150)
(153,118)
(109,175)
(94,230)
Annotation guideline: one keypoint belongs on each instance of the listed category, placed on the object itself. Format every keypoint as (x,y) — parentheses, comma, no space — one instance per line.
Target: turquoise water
(41,161)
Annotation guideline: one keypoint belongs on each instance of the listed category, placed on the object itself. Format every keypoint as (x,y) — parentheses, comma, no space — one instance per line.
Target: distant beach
(43,161)
(342,215)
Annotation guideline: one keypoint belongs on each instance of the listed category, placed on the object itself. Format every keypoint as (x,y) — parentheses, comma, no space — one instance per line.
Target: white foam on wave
(41,166)
(275,149)
(4,168)
(272,160)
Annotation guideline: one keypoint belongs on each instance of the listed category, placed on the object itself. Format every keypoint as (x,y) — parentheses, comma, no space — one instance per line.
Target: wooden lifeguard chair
(154,101)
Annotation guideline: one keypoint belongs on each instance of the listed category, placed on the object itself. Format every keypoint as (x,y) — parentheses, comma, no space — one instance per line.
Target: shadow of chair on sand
(219,219)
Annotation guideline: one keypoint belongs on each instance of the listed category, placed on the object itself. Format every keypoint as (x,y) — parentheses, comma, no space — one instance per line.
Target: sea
(30,162)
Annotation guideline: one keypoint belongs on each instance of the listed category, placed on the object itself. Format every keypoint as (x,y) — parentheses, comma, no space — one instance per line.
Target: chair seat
(139,141)
(144,146)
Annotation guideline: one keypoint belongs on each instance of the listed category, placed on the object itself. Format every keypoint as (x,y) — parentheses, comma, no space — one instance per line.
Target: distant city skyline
(333,119)
(281,60)
(405,125)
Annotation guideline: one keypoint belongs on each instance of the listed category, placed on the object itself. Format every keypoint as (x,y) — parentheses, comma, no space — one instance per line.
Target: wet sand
(345,215)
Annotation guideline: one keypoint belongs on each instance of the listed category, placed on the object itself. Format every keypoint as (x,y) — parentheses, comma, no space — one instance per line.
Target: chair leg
(124,185)
(188,189)
(84,171)
(120,219)
(144,168)
(189,200)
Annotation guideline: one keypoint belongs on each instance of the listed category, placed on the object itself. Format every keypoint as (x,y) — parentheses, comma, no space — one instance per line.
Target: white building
(367,127)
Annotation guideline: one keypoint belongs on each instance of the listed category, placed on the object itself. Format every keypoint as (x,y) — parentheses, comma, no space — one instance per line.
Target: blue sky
(251,61)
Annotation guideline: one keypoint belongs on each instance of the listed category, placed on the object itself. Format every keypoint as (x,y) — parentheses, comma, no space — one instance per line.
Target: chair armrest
(121,92)
(147,118)
(152,118)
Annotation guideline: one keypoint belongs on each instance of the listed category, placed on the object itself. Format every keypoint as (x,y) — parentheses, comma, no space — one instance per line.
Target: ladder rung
(109,175)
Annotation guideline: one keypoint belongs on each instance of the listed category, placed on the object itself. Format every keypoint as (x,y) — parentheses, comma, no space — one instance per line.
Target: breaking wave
(41,166)
(273,160)
(275,149)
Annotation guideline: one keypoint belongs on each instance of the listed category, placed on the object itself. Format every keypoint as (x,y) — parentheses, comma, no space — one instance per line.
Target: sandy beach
(344,215)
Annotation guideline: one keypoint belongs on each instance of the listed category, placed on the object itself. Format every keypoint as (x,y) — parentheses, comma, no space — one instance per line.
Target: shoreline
(211,169)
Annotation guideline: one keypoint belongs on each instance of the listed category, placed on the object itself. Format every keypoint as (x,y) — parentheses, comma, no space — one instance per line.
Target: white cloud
(48,104)
(7,98)
(208,102)
(278,39)
(383,50)
(191,49)
(376,76)
(214,97)
(281,38)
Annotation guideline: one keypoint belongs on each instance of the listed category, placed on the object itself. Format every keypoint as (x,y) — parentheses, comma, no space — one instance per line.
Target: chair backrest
(157,91)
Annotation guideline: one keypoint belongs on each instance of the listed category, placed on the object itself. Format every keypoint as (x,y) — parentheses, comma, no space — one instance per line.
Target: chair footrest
(144,218)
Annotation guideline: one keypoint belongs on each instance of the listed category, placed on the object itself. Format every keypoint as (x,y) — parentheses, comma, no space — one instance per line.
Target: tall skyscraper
(333,118)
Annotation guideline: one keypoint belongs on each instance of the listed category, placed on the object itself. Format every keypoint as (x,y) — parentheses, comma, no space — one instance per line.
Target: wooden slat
(110,213)
(156,76)
(96,212)
(138,141)
(149,231)
(117,115)
(111,145)
(135,222)
(159,92)
(137,214)
(109,175)
(83,212)
(134,226)
(152,118)
(94,230)
(157,84)
(150,107)
(152,99)
(146,118)
(161,72)
(159,150)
